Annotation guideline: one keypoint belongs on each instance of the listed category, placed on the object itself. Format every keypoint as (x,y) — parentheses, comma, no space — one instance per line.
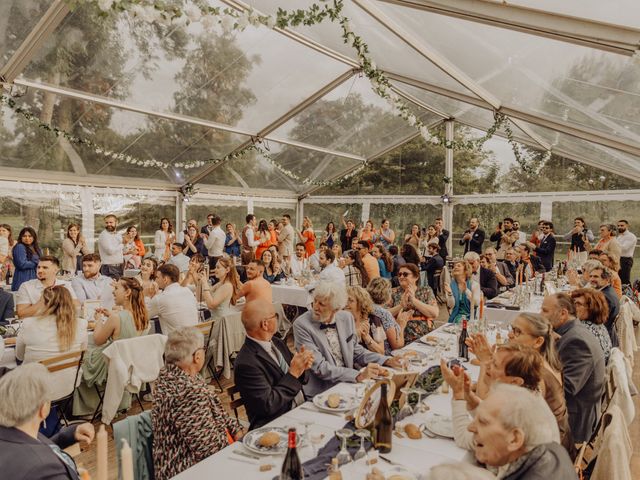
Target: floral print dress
(419,325)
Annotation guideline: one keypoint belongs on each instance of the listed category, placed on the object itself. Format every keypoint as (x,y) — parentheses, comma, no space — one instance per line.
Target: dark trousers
(625,270)
(113,271)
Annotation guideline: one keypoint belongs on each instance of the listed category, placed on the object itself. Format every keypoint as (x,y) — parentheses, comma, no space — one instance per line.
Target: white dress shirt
(250,238)
(96,288)
(332,273)
(298,265)
(110,247)
(627,242)
(176,307)
(181,261)
(215,242)
(30,292)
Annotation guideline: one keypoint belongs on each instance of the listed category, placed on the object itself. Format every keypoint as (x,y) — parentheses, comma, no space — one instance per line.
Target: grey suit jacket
(583,373)
(325,373)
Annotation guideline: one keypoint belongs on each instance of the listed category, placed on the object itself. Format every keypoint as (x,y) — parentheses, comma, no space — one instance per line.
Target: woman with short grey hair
(189,422)
(24,452)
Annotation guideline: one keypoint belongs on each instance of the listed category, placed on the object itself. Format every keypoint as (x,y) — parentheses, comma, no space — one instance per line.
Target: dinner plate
(409,354)
(440,425)
(450,328)
(346,402)
(399,473)
(250,441)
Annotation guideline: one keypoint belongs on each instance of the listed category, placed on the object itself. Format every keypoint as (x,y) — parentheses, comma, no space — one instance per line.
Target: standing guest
(387,236)
(308,237)
(272,270)
(7,309)
(430,238)
(611,262)
(419,301)
(410,254)
(147,277)
(581,238)
(413,238)
(354,271)
(462,292)
(256,286)
(178,258)
(592,310)
(91,284)
(504,236)
(26,255)
(347,234)
(6,246)
(608,242)
(175,306)
(249,242)
(129,321)
(368,233)
(269,377)
(183,233)
(29,299)
(215,242)
(537,234)
(330,236)
(328,332)
(189,422)
(299,263)
(134,250)
(163,239)
(231,241)
(500,269)
(380,291)
(600,279)
(547,247)
(267,236)
(583,365)
(473,237)
(369,262)
(528,265)
(443,236)
(627,242)
(485,277)
(52,331)
(434,265)
(385,262)
(330,272)
(73,247)
(397,260)
(194,243)
(522,237)
(206,229)
(224,293)
(110,248)
(286,238)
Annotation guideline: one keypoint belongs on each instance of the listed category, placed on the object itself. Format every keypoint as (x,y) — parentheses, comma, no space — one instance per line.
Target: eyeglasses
(403,274)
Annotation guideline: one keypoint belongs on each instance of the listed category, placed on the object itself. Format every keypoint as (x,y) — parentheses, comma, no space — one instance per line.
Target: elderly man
(583,365)
(329,333)
(256,286)
(485,277)
(473,237)
(515,432)
(500,269)
(175,306)
(92,285)
(269,378)
(29,301)
(111,248)
(600,279)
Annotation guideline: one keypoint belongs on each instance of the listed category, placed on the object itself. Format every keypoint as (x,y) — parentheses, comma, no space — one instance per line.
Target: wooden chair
(234,403)
(61,362)
(206,328)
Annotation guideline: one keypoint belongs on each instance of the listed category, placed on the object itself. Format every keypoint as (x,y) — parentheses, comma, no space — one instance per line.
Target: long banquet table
(416,455)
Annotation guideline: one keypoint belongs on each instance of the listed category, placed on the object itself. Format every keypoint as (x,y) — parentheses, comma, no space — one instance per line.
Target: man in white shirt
(178,258)
(175,306)
(330,272)
(92,285)
(286,238)
(522,237)
(627,242)
(249,243)
(29,301)
(215,242)
(298,263)
(110,247)
(314,260)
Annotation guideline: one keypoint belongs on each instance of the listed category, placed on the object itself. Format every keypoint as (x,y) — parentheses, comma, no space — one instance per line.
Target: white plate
(409,354)
(440,425)
(346,402)
(400,472)
(250,441)
(450,328)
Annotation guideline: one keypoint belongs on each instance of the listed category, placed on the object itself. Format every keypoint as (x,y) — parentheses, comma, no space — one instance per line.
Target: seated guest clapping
(329,333)
(175,306)
(189,422)
(24,453)
(268,377)
(91,284)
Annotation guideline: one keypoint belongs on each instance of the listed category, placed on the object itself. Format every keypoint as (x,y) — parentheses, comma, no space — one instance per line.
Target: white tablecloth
(504,317)
(291,295)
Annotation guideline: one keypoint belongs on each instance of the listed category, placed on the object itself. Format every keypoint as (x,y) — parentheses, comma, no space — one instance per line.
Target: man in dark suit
(547,246)
(600,279)
(443,236)
(473,238)
(485,277)
(268,377)
(7,309)
(583,365)
(433,265)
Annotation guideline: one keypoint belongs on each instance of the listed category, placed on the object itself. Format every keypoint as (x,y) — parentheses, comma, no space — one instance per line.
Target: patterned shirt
(334,345)
(352,276)
(419,325)
(189,422)
(387,322)
(601,333)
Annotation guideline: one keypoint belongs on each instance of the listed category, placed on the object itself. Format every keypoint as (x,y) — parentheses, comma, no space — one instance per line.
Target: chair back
(284,324)
(137,431)
(234,403)
(205,329)
(65,362)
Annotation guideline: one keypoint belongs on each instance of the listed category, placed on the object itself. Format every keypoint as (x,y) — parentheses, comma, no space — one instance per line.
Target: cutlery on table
(246,454)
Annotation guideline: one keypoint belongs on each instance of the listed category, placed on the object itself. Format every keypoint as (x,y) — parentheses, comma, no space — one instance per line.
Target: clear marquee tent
(567,75)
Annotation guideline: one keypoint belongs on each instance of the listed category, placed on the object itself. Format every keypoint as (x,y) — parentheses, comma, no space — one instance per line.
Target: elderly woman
(189,423)
(613,264)
(410,297)
(380,291)
(462,292)
(592,310)
(329,333)
(24,453)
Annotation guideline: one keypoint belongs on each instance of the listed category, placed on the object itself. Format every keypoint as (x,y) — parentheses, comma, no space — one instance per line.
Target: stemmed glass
(406,409)
(419,406)
(343,455)
(361,453)
(306,425)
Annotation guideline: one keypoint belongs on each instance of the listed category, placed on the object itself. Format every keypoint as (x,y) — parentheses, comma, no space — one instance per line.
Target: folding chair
(206,328)
(64,362)
(234,403)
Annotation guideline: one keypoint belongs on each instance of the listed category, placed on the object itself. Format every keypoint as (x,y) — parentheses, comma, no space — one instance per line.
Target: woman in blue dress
(26,255)
(232,242)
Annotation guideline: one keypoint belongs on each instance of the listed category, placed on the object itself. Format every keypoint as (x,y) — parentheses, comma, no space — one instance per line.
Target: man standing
(249,243)
(627,242)
(522,237)
(473,238)
(583,368)
(256,287)
(298,263)
(504,236)
(110,247)
(433,265)
(330,272)
(443,236)
(600,279)
(92,285)
(29,301)
(485,277)
(268,377)
(206,229)
(347,234)
(178,258)
(175,306)
(547,247)
(286,238)
(215,242)
(608,242)
(370,263)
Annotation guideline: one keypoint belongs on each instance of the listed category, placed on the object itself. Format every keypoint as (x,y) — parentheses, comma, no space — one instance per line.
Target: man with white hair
(485,277)
(329,333)
(515,432)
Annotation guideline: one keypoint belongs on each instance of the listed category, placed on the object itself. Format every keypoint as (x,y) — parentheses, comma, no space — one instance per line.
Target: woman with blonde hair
(369,329)
(462,292)
(131,320)
(308,236)
(225,292)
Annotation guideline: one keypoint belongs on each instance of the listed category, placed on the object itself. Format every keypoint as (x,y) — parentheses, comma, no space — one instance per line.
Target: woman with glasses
(461,292)
(612,263)
(592,310)
(419,301)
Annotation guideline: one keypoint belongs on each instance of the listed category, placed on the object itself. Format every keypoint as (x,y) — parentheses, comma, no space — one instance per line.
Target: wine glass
(361,453)
(315,438)
(343,455)
(406,409)
(306,425)
(420,407)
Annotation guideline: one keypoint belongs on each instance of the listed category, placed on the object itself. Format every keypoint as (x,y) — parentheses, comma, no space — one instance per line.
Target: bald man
(268,376)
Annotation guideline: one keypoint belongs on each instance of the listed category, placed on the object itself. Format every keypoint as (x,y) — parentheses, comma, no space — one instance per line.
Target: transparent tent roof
(566,74)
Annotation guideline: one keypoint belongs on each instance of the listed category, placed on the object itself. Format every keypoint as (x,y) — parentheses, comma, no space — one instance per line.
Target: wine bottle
(291,467)
(382,423)
(463,350)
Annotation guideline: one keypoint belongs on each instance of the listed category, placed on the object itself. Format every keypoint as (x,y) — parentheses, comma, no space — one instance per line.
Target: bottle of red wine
(383,423)
(463,350)
(291,467)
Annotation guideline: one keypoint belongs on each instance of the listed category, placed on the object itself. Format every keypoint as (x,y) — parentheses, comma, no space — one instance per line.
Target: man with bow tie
(329,332)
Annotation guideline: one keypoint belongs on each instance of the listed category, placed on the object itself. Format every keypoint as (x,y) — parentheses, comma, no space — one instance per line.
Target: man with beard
(473,237)
(522,237)
(443,236)
(110,247)
(504,236)
(627,242)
